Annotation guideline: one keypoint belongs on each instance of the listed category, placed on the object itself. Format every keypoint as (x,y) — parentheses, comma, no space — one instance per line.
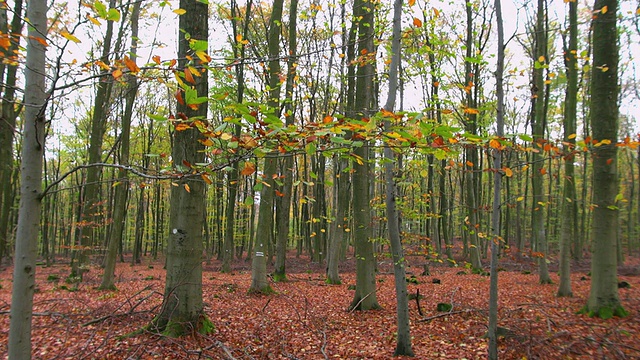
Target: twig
(446,314)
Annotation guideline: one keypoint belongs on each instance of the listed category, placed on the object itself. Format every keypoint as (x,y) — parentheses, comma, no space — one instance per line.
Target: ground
(307,319)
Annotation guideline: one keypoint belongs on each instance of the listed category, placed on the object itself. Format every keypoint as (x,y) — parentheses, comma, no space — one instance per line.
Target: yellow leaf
(180,11)
(102,65)
(541,59)
(206,142)
(417,22)
(520,198)
(471,111)
(604,9)
(447,111)
(65,34)
(225,136)
(572,136)
(93,20)
(186,187)
(203,56)
(507,171)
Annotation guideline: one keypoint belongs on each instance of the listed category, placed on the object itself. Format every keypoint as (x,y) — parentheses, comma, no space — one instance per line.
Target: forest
(305,179)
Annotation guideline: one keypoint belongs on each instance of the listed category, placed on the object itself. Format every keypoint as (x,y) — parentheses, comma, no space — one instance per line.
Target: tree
(264,229)
(91,213)
(569,207)
(403,339)
(182,308)
(35,101)
(122,191)
(603,298)
(365,294)
(538,125)
(8,113)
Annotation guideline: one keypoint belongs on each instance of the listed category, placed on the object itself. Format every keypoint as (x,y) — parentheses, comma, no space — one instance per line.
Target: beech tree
(604,300)
(182,308)
(35,102)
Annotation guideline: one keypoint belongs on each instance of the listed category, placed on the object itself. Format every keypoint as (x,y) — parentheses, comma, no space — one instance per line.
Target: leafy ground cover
(307,319)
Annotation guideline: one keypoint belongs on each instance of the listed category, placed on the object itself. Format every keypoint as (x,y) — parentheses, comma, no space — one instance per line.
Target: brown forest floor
(307,319)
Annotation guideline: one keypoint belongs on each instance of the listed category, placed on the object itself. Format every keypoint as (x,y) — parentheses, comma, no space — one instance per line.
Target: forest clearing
(308,319)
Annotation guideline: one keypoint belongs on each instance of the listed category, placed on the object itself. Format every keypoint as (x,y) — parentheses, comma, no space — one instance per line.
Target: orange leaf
(131,65)
(182,127)
(436,12)
(412,2)
(117,73)
(327,119)
(469,163)
(186,163)
(156,59)
(471,111)
(507,171)
(447,111)
(186,187)
(173,63)
(248,169)
(543,171)
(417,22)
(178,96)
(494,144)
(188,76)
(5,42)
(206,142)
(609,161)
(206,179)
(278,193)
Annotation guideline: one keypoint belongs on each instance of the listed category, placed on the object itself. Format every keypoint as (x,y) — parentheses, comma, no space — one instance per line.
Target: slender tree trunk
(35,100)
(91,213)
(122,190)
(496,237)
(569,208)
(264,229)
(8,115)
(403,339)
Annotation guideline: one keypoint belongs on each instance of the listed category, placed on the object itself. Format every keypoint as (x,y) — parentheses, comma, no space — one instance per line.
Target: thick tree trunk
(604,300)
(182,308)
(30,185)
(365,295)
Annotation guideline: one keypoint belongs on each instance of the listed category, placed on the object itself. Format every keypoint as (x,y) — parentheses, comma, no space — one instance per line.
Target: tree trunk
(182,308)
(365,295)
(403,339)
(603,297)
(8,116)
(264,229)
(569,208)
(35,100)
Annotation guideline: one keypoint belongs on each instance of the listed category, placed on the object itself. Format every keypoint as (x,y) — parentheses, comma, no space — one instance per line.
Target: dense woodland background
(247,134)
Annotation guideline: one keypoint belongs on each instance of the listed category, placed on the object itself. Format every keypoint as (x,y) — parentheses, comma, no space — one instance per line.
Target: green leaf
(525,137)
(248,200)
(113,15)
(156,117)
(310,148)
(101,9)
(198,45)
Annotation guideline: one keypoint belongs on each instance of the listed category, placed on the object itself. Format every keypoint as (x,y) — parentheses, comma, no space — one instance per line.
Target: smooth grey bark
(264,230)
(122,190)
(496,238)
(182,307)
(365,295)
(403,339)
(569,209)
(35,100)
(604,300)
